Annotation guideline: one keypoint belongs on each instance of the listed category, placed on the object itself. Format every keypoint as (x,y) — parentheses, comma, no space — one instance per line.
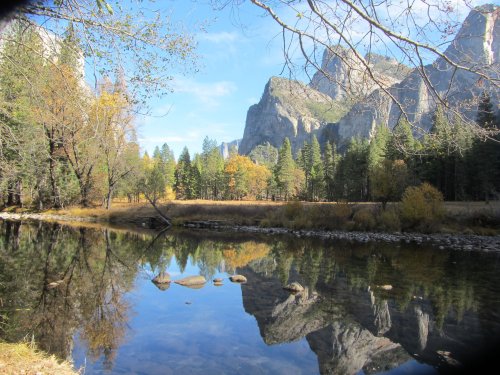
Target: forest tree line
(63,143)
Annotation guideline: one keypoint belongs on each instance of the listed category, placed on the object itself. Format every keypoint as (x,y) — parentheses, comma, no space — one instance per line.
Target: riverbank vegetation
(437,216)
(23,358)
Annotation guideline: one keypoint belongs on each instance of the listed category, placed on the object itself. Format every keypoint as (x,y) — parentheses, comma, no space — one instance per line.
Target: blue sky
(238,53)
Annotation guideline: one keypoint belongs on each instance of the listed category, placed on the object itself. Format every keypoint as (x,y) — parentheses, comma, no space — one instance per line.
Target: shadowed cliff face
(354,324)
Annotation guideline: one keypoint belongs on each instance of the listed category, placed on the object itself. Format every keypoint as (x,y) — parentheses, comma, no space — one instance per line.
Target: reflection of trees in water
(97,266)
(92,269)
(436,301)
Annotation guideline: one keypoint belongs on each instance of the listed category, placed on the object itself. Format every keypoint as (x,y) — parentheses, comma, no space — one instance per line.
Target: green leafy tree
(331,160)
(284,171)
(184,176)
(484,157)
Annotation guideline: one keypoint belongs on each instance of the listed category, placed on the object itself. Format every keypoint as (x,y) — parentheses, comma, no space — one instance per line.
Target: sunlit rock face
(346,76)
(287,109)
(476,46)
(343,93)
(225,148)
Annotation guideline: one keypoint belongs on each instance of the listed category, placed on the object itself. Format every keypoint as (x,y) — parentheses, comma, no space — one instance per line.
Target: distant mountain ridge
(226,147)
(341,99)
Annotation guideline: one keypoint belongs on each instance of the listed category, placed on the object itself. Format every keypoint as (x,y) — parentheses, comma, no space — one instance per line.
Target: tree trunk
(52,176)
(109,196)
(165,218)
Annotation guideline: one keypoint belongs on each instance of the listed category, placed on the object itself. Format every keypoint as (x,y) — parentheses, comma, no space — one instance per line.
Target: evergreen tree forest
(63,143)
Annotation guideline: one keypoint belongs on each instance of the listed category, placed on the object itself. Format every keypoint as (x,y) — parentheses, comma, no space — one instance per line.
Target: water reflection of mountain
(352,324)
(440,302)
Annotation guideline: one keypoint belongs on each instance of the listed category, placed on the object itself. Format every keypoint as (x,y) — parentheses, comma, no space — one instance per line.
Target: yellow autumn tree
(245,179)
(243,254)
(111,117)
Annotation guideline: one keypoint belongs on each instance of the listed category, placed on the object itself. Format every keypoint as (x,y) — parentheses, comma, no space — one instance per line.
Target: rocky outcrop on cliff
(287,109)
(345,77)
(476,47)
(225,148)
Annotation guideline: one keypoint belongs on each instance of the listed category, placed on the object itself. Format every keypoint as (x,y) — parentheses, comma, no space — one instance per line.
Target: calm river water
(86,294)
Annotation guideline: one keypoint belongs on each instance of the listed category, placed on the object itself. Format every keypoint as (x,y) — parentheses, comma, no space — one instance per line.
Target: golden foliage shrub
(422,207)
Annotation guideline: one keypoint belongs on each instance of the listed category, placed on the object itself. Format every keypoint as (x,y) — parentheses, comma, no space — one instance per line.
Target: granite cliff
(344,76)
(476,47)
(290,109)
(341,98)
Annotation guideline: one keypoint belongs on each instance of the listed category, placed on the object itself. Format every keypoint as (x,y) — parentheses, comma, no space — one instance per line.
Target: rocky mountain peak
(344,75)
(476,47)
(290,109)
(478,41)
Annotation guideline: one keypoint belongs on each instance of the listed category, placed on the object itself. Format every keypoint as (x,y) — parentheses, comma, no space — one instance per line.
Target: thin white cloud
(208,94)
(220,37)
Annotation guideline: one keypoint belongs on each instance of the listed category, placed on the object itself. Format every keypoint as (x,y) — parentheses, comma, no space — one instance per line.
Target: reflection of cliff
(351,326)
(345,348)
(342,346)
(281,316)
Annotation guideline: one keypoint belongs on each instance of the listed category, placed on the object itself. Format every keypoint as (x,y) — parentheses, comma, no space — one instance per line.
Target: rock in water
(191,281)
(162,286)
(218,283)
(238,279)
(385,287)
(54,284)
(162,278)
(294,287)
(217,280)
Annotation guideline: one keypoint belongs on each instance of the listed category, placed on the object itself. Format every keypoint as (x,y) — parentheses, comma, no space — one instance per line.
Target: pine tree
(330,161)
(317,185)
(285,170)
(184,176)
(167,156)
(485,153)
(401,144)
(351,181)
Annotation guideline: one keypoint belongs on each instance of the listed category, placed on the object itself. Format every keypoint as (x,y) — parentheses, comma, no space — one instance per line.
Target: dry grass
(22,358)
(470,217)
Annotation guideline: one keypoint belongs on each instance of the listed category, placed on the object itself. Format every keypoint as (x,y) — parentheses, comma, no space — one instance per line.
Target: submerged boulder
(238,279)
(294,287)
(162,286)
(162,278)
(191,281)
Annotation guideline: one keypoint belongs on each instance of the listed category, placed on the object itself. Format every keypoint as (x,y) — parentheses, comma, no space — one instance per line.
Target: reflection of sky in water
(183,330)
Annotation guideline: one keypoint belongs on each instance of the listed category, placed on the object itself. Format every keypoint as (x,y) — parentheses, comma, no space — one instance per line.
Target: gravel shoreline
(441,240)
